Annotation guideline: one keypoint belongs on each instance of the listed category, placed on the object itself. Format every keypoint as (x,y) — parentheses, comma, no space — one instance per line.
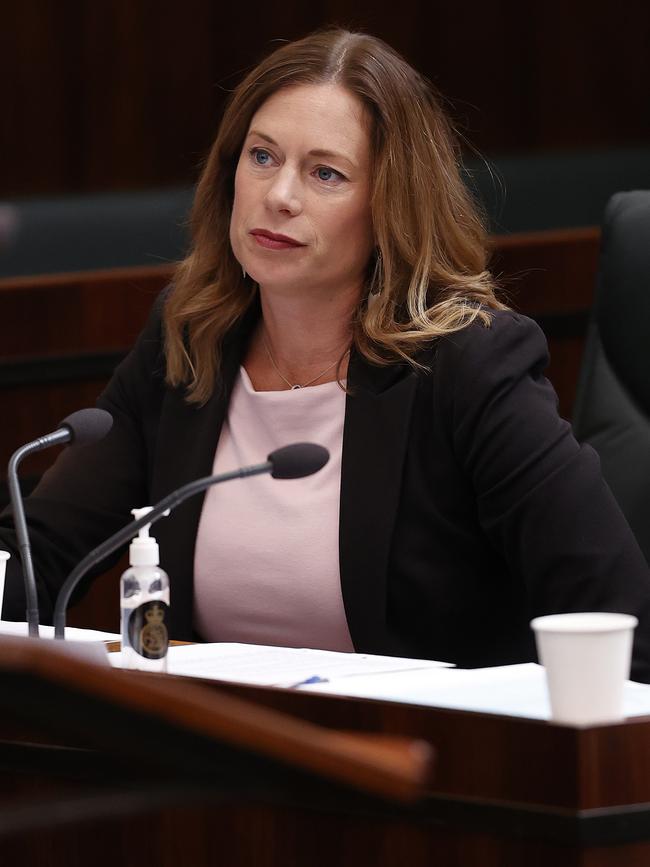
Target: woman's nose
(284,193)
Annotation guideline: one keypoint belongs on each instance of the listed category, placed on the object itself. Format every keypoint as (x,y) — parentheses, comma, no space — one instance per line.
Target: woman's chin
(279,281)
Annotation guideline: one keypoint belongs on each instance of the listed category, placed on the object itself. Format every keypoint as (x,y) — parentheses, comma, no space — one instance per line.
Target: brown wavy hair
(428,276)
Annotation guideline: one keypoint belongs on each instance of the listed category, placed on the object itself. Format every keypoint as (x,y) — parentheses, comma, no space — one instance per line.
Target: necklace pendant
(294,387)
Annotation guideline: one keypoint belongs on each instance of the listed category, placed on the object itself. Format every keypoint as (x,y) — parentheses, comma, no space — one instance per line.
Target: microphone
(289,462)
(82,427)
(298,460)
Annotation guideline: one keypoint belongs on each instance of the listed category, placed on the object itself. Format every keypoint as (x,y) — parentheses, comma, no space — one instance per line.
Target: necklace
(294,385)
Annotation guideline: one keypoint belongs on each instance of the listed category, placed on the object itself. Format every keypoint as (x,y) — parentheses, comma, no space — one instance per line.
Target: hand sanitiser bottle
(144,604)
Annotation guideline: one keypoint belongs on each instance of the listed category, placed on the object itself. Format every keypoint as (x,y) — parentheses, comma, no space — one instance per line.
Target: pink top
(266,566)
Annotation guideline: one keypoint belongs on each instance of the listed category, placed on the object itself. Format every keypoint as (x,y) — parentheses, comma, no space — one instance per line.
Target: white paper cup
(587,660)
(4,556)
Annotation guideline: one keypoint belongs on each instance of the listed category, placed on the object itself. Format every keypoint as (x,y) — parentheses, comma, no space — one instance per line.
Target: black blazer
(467,507)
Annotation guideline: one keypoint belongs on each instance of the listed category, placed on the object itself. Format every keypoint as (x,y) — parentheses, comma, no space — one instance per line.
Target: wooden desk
(506,792)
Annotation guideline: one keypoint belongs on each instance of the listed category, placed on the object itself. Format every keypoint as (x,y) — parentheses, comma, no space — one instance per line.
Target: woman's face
(301,218)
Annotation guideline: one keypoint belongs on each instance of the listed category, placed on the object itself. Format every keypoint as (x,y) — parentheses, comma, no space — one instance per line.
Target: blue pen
(313,679)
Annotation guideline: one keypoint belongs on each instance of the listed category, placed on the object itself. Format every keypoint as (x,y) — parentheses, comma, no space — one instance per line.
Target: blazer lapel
(377,420)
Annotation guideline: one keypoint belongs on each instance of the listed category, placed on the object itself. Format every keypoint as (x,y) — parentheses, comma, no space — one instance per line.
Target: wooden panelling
(114,94)
(59,313)
(66,317)
(551,276)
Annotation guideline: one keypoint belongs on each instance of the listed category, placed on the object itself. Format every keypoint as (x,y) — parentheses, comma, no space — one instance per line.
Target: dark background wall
(126,94)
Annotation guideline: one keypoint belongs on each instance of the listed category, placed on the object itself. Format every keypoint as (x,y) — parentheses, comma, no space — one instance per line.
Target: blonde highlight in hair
(428,276)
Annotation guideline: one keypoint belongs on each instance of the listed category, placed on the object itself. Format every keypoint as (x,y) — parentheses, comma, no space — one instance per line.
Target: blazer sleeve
(541,499)
(89,491)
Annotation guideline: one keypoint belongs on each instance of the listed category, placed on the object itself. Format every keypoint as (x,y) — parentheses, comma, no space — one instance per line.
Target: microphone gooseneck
(82,427)
(288,462)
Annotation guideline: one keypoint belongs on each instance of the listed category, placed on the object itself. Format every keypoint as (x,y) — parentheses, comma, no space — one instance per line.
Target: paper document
(278,666)
(510,690)
(9,627)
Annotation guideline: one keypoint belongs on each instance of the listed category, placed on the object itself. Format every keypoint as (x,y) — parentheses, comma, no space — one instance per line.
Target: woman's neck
(299,339)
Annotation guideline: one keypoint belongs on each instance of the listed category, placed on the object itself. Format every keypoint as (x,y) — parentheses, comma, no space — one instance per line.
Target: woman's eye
(260,156)
(323,173)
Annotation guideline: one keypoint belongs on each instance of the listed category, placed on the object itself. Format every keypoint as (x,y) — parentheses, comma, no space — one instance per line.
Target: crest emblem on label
(148,629)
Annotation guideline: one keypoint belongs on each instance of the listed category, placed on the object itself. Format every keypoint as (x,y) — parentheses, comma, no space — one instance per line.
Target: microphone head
(87,425)
(298,460)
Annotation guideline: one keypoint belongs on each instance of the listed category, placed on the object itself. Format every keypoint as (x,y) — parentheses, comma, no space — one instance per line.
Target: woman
(337,291)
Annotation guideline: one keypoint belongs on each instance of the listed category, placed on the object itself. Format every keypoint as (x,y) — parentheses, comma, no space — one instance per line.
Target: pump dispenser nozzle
(143,550)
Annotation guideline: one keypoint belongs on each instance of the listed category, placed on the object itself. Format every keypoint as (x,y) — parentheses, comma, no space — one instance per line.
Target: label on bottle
(148,629)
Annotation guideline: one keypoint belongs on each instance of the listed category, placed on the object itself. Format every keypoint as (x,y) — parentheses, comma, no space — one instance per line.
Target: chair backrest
(551,190)
(612,410)
(92,232)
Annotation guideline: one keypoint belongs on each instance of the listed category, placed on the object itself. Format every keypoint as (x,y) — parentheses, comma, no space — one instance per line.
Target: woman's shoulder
(507,343)
(487,364)
(503,328)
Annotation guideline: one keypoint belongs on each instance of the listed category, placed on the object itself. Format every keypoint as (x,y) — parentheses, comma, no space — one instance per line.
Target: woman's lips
(271,241)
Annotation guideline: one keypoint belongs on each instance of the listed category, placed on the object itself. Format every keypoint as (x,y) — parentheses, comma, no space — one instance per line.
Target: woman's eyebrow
(337,155)
(259,134)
